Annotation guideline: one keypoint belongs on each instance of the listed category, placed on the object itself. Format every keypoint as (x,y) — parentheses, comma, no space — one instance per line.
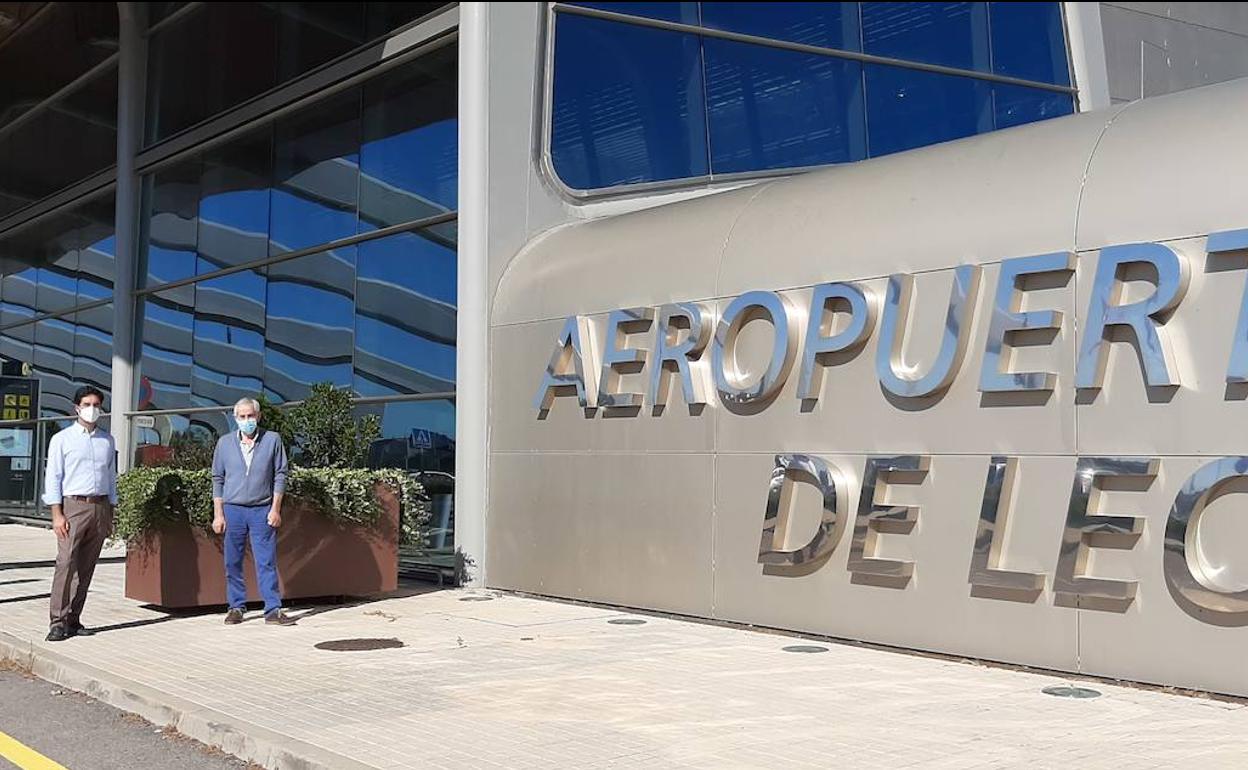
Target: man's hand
(275,518)
(218,524)
(60,525)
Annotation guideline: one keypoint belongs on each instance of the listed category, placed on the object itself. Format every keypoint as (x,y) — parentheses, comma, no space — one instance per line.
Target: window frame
(711,180)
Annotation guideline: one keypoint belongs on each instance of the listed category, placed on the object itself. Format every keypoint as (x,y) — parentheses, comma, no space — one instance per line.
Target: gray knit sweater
(235,484)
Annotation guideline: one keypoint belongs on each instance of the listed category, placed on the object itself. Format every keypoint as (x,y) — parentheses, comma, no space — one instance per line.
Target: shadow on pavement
(31,598)
(52,563)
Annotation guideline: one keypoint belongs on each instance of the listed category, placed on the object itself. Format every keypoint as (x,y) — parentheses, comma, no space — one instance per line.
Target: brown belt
(88,498)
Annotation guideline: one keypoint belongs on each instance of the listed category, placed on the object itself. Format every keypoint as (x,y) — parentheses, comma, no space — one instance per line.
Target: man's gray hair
(251,402)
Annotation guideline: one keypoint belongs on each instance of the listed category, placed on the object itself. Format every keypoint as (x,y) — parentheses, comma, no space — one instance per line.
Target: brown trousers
(90,524)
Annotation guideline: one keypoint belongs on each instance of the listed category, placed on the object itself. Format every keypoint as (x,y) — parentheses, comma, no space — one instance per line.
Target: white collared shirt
(80,462)
(248,448)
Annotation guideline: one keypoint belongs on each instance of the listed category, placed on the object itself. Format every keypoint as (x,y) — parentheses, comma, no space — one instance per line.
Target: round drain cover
(804,648)
(359,645)
(1069,691)
(627,622)
(477,599)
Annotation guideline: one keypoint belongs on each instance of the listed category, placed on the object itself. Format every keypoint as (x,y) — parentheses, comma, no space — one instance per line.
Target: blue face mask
(247,426)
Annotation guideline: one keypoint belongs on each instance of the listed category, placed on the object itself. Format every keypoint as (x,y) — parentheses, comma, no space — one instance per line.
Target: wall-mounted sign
(690,346)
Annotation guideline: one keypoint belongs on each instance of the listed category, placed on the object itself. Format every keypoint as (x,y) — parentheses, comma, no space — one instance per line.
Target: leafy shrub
(152,498)
(324,433)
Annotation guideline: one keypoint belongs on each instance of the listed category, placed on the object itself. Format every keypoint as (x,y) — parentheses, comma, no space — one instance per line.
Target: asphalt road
(83,734)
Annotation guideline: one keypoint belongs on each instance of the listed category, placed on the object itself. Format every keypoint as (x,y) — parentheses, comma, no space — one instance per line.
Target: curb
(242,739)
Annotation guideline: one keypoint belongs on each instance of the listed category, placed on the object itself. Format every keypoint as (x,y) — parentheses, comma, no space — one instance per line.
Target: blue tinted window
(172,200)
(405,315)
(907,108)
(779,109)
(168,340)
(952,34)
(316,175)
(628,104)
(410,149)
(229,338)
(686,13)
(234,204)
(1028,41)
(1014,106)
(309,323)
(830,25)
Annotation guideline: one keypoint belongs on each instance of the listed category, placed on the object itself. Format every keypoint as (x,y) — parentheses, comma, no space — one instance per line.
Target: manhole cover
(804,648)
(477,599)
(627,622)
(1068,691)
(359,645)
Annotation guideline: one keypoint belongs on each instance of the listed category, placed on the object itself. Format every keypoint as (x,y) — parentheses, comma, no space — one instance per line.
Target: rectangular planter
(182,566)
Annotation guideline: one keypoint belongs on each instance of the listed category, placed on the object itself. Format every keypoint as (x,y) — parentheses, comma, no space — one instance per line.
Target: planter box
(182,566)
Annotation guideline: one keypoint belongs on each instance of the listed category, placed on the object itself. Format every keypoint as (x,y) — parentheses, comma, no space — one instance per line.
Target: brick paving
(522,683)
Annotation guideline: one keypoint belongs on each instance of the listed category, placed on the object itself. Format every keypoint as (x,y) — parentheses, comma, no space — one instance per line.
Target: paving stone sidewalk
(521,683)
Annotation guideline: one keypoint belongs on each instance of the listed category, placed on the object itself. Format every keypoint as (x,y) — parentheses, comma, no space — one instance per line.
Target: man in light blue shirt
(80,484)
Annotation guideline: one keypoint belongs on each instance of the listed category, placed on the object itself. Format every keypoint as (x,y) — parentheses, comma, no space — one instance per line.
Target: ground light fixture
(808,648)
(1071,691)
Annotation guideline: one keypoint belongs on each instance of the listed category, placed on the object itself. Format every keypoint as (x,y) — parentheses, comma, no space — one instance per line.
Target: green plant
(277,420)
(152,498)
(324,432)
(190,450)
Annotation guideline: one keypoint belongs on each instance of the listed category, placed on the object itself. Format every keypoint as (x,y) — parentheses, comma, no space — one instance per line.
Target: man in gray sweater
(248,481)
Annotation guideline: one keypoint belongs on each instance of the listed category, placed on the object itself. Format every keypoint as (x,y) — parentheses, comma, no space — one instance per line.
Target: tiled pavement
(516,682)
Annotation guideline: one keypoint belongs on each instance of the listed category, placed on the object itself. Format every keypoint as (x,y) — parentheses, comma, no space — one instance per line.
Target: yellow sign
(10,399)
(10,414)
(23,400)
(23,414)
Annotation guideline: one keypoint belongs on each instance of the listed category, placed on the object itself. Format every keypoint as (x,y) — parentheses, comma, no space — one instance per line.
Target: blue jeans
(241,521)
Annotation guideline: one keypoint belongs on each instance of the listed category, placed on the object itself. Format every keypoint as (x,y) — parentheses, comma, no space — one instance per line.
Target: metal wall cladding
(665,510)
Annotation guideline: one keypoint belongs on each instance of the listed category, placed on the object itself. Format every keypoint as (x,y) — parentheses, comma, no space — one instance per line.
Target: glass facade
(266,298)
(310,246)
(683,96)
(270,44)
(62,106)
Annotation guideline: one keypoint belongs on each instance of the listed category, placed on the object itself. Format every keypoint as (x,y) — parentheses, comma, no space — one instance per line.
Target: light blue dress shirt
(80,462)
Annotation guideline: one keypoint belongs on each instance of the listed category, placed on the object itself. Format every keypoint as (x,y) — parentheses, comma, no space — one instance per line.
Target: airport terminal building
(915,323)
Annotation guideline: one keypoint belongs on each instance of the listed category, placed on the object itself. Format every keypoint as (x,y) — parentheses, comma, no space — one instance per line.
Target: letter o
(740,311)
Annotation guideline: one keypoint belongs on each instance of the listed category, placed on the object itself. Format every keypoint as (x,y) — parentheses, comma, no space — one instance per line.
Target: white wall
(665,511)
(1159,48)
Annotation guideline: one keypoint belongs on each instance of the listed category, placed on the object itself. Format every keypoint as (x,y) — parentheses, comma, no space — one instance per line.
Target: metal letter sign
(1140,317)
(618,358)
(567,371)
(876,516)
(1229,242)
(840,320)
(821,344)
(1085,529)
(742,310)
(680,358)
(1007,320)
(894,375)
(1195,584)
(987,557)
(776,521)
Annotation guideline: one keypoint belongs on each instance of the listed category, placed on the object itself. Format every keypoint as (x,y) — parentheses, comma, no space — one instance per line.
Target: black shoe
(77,629)
(57,634)
(234,617)
(279,618)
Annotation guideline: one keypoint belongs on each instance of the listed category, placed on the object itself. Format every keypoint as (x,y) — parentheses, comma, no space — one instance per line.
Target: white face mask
(89,414)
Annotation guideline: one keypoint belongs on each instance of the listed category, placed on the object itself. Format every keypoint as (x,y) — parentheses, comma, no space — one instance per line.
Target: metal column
(473,323)
(131,84)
